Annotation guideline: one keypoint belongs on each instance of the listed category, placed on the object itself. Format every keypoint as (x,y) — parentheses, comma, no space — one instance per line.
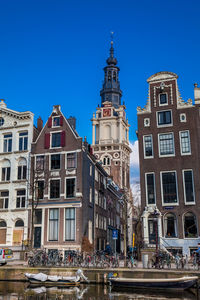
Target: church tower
(110,135)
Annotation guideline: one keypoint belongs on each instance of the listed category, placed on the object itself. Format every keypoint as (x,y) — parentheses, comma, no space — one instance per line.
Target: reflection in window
(190,225)
(170,226)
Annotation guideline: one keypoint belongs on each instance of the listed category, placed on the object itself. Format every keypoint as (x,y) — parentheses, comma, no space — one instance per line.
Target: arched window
(114,76)
(109,75)
(190,225)
(3,224)
(5,175)
(22,169)
(170,223)
(19,223)
(106,161)
(3,230)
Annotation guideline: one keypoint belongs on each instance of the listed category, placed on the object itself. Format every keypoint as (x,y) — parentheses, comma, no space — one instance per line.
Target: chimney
(39,124)
(196,94)
(72,122)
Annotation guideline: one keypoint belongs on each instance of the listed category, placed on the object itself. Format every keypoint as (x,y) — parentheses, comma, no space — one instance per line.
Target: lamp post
(156,214)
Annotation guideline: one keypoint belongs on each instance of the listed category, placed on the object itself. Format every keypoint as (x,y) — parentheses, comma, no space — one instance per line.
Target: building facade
(16,135)
(68,203)
(169,135)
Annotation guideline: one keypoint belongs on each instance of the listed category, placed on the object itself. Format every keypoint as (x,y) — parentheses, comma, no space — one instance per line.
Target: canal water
(19,290)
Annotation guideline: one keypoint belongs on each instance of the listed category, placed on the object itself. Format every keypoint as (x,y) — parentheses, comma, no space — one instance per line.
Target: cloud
(134,158)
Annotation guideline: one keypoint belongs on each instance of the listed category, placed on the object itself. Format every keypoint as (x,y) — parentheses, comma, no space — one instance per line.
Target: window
(190,225)
(164,117)
(38,216)
(169,190)
(4,197)
(22,169)
(97,221)
(96,175)
(5,174)
(56,139)
(90,196)
(106,161)
(55,161)
(105,224)
(71,160)
(170,222)
(96,197)
(3,231)
(70,187)
(40,163)
(70,224)
(104,203)
(163,99)
(1,121)
(23,141)
(185,142)
(90,170)
(188,186)
(148,146)
(150,188)
(56,121)
(54,189)
(21,198)
(7,143)
(90,227)
(53,224)
(19,223)
(40,189)
(166,144)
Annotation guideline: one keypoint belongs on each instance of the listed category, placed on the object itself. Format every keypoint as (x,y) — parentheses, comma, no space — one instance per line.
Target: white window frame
(50,188)
(164,104)
(36,190)
(90,194)
(165,225)
(53,126)
(6,174)
(188,203)
(51,133)
(166,155)
(96,175)
(180,139)
(74,224)
(161,187)
(50,167)
(23,138)
(70,152)
(96,196)
(149,204)
(148,157)
(4,199)
(164,125)
(58,223)
(75,189)
(7,139)
(97,221)
(35,162)
(21,196)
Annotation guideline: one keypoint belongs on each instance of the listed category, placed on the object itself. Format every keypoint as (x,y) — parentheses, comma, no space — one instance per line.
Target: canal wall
(94,275)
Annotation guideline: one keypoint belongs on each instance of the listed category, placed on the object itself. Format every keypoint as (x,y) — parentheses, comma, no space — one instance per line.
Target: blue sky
(53,52)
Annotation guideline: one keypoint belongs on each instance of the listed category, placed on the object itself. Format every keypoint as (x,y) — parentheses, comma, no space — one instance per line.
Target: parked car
(5,256)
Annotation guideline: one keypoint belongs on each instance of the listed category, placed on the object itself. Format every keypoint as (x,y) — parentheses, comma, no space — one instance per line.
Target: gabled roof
(164,75)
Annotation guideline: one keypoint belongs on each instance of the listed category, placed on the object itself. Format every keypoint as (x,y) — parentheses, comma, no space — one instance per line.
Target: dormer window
(163,99)
(56,121)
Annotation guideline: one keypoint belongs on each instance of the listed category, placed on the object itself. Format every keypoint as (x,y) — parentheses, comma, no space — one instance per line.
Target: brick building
(169,151)
(69,188)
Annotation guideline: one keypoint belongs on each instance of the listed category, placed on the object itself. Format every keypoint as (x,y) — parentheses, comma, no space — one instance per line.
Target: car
(5,256)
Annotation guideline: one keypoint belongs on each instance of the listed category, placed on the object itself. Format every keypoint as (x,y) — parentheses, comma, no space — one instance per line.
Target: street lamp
(155,215)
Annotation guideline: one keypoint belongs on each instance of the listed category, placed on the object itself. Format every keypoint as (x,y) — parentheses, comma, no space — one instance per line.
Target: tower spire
(111,87)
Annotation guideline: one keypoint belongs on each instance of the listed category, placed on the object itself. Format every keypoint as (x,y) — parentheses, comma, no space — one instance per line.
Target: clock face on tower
(107,112)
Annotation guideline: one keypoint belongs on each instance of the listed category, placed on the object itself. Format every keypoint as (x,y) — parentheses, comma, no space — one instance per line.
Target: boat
(54,280)
(181,283)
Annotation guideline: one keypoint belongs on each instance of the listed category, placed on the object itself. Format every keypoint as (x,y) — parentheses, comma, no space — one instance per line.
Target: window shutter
(47,140)
(50,122)
(61,120)
(62,138)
